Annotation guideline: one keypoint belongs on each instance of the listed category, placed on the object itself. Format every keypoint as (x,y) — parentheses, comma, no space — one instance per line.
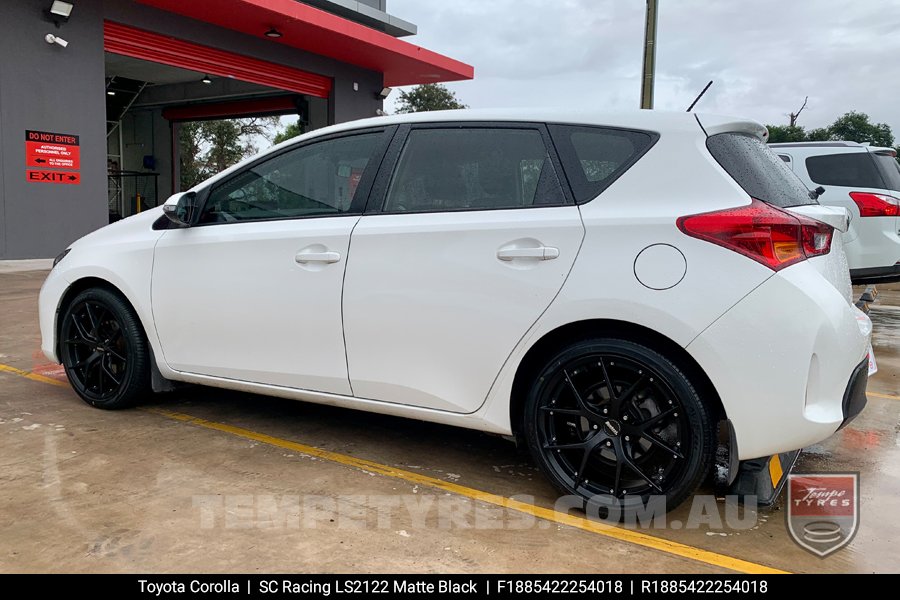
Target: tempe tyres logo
(823,510)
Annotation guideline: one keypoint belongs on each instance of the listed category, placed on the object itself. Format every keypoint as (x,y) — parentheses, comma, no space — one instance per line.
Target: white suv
(866,181)
(609,288)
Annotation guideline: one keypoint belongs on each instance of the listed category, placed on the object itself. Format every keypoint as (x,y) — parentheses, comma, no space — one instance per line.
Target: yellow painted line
(610,531)
(878,395)
(617,533)
(33,376)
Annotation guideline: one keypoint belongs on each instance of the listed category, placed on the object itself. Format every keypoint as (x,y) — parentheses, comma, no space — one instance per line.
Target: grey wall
(55,89)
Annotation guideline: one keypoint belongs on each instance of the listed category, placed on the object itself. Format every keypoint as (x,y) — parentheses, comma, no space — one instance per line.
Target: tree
(852,127)
(795,115)
(291,131)
(786,133)
(856,127)
(426,97)
(209,147)
(189,151)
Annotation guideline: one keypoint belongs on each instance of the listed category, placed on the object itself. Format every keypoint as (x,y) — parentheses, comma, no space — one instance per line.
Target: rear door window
(473,168)
(594,157)
(758,170)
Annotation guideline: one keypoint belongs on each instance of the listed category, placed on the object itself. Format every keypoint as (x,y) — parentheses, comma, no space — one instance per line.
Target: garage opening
(170,104)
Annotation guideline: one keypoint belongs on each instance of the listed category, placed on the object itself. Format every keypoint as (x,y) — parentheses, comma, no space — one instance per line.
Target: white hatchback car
(866,181)
(608,288)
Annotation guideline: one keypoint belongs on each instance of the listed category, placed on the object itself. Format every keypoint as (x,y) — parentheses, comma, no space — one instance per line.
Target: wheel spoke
(77,342)
(91,369)
(614,400)
(616,487)
(109,372)
(573,446)
(634,387)
(631,465)
(92,319)
(656,419)
(115,354)
(653,439)
(578,399)
(554,410)
(589,447)
(80,330)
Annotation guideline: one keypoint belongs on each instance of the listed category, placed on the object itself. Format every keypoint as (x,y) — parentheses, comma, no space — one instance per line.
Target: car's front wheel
(104,350)
(616,422)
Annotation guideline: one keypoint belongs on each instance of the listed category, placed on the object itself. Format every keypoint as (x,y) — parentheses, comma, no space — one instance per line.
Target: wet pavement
(86,490)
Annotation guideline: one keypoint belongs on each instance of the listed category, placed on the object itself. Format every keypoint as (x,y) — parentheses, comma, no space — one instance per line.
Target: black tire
(655,433)
(104,350)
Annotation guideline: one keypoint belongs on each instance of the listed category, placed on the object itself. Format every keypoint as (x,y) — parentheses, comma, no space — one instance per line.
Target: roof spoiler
(713,124)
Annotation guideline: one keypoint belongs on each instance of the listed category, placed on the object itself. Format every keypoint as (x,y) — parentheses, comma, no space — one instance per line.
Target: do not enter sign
(48,150)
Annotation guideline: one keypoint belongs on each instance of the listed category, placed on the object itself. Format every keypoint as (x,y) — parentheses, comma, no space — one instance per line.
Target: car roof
(831,147)
(662,122)
(650,120)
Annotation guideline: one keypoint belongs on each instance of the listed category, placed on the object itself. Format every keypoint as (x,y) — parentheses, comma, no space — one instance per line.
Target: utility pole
(649,55)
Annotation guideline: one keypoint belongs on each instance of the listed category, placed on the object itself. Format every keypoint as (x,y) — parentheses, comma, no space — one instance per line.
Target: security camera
(55,39)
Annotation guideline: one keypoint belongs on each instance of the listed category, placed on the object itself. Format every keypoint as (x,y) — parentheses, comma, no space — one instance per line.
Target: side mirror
(182,209)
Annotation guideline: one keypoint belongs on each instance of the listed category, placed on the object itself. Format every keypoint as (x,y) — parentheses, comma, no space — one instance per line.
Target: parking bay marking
(610,531)
(32,376)
(879,395)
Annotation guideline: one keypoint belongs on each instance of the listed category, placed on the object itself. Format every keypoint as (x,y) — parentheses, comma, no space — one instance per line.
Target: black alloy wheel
(103,349)
(616,422)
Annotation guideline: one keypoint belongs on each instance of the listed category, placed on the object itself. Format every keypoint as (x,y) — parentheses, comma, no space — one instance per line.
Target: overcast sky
(764,56)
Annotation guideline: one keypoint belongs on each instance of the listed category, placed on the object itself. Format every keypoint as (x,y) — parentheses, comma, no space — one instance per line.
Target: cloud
(764,57)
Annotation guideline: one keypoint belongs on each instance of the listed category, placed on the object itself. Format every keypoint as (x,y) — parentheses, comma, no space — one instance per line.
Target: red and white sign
(47,150)
(62,177)
(822,510)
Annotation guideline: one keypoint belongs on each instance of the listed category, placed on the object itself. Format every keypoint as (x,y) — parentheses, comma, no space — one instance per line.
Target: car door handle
(317,257)
(540,253)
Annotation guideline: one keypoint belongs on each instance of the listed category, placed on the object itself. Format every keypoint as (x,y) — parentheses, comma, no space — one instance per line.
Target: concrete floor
(85,490)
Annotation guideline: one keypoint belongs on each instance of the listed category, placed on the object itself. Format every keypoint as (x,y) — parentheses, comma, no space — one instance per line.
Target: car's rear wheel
(615,422)
(104,350)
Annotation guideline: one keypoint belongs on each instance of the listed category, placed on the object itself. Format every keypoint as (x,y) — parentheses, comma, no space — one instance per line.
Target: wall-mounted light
(55,39)
(273,33)
(206,79)
(59,12)
(110,93)
(384,93)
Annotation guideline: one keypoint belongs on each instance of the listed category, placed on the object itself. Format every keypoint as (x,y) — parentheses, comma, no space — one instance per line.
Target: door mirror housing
(182,209)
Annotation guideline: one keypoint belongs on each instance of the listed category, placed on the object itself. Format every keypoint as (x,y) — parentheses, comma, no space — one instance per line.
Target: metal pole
(649,55)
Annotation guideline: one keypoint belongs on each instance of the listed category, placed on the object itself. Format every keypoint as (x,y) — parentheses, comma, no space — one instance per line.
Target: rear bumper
(784,361)
(876,274)
(855,396)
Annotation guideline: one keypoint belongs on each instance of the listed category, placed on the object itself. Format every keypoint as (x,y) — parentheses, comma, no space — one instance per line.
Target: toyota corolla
(612,290)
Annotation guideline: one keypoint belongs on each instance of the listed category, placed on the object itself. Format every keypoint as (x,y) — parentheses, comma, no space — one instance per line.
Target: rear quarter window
(889,169)
(758,170)
(594,157)
(855,169)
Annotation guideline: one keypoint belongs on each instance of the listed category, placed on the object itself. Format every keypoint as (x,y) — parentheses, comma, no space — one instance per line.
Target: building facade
(91,102)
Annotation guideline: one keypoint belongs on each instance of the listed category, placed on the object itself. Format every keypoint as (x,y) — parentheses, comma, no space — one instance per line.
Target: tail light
(768,235)
(876,205)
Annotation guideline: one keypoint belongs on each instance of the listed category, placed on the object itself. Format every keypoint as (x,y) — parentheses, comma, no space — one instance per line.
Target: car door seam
(343,284)
(539,317)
